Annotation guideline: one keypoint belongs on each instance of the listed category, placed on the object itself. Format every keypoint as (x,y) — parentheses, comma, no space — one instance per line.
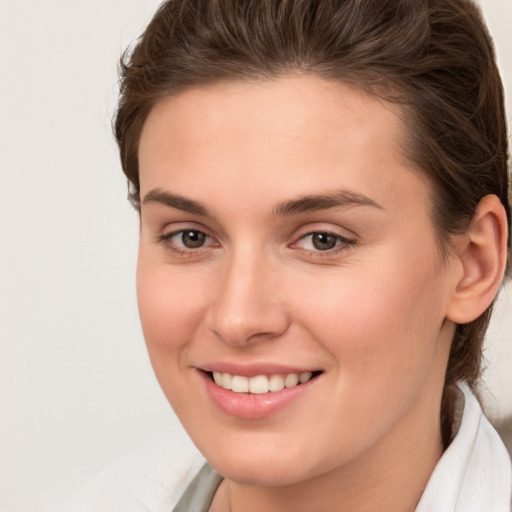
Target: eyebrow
(339,198)
(159,196)
(308,203)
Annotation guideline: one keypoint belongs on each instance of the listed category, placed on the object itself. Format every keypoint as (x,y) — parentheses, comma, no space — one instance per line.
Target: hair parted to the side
(434,58)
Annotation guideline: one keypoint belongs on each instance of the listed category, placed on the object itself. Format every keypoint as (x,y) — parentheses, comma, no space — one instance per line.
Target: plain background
(76,387)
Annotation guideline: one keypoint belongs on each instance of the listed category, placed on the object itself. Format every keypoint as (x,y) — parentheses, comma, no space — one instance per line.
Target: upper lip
(254,369)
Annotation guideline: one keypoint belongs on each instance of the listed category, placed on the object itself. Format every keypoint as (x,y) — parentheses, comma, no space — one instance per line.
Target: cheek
(378,323)
(170,309)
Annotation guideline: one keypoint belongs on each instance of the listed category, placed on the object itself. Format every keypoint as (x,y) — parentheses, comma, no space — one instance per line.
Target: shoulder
(150,479)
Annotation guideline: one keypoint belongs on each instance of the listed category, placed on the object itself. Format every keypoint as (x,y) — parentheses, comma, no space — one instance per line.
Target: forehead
(295,134)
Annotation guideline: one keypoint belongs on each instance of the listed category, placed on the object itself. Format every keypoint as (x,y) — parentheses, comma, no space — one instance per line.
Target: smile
(260,384)
(259,393)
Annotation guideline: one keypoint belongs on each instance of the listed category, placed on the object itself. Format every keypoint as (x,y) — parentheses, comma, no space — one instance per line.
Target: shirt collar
(474,472)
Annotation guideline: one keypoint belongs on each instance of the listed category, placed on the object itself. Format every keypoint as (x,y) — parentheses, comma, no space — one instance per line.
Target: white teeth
(276,383)
(291,380)
(258,385)
(240,384)
(227,380)
(261,383)
(304,377)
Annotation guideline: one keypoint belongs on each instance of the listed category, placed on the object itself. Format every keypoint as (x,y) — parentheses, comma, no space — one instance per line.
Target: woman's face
(284,236)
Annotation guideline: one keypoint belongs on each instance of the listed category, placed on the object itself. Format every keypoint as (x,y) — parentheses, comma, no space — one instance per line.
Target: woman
(324,207)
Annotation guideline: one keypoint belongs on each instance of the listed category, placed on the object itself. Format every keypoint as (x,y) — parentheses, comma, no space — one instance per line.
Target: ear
(482,253)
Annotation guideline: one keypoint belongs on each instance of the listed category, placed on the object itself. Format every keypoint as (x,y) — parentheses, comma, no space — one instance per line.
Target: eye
(187,239)
(191,239)
(323,241)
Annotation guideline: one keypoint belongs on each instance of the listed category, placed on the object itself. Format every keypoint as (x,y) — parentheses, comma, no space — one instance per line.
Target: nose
(248,305)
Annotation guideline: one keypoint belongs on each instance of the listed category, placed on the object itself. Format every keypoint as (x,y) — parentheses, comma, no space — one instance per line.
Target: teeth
(291,380)
(304,377)
(227,380)
(261,383)
(276,383)
(258,385)
(240,384)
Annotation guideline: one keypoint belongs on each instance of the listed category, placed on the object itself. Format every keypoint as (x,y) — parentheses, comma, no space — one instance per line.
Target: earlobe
(483,256)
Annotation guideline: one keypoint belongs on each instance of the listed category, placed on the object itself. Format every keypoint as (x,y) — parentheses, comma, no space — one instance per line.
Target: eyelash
(166,238)
(342,243)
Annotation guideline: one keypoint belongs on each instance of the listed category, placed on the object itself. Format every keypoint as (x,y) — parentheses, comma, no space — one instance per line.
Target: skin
(372,313)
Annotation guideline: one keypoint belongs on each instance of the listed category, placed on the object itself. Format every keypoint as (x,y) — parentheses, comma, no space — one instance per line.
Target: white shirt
(474,474)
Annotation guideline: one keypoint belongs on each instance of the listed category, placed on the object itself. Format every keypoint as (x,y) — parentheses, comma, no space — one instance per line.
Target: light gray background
(76,387)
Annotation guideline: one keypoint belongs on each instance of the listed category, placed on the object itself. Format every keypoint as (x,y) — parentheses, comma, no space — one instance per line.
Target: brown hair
(432,57)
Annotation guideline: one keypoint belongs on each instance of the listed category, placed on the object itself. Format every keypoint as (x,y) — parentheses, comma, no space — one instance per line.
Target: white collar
(474,474)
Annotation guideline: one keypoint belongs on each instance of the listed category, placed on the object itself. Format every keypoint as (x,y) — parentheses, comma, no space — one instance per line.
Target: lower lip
(253,406)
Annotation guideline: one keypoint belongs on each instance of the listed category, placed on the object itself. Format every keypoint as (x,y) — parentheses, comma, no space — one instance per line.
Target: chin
(264,464)
(269,473)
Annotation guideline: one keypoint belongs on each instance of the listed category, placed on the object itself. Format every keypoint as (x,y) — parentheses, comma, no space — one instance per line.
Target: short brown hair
(433,57)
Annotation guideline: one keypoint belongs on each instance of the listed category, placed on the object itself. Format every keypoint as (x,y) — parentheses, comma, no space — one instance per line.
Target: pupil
(324,241)
(193,239)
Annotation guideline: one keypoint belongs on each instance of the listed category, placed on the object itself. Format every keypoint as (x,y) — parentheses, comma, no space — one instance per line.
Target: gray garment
(199,494)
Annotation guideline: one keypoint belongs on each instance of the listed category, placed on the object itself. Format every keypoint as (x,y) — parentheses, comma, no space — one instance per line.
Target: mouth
(261,384)
(257,392)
